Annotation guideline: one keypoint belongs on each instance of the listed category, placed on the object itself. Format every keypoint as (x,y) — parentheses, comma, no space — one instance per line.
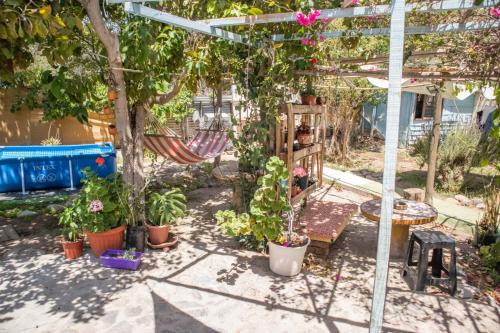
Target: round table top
(415,213)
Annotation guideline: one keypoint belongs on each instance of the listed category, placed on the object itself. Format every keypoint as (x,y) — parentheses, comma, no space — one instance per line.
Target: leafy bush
(264,222)
(490,258)
(488,226)
(165,208)
(456,154)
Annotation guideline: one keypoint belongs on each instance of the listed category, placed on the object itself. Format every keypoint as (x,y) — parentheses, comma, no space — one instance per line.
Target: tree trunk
(130,125)
(433,150)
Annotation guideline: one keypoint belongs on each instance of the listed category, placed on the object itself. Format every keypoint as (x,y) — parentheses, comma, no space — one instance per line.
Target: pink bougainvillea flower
(96,206)
(322,38)
(371,18)
(302,19)
(413,80)
(285,244)
(495,12)
(338,277)
(312,42)
(314,15)
(355,2)
(100,161)
(305,41)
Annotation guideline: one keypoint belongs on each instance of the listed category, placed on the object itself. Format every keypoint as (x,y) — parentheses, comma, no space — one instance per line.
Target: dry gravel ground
(208,284)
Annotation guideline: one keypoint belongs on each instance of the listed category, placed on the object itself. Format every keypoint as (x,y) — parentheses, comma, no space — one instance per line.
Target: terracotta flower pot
(112,95)
(304,139)
(308,99)
(158,234)
(72,250)
(102,241)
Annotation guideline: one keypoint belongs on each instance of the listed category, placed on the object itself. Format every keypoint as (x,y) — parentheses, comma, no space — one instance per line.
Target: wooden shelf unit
(310,157)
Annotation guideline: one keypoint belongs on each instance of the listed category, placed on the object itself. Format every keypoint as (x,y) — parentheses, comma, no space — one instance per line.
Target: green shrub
(490,258)
(264,221)
(487,227)
(456,154)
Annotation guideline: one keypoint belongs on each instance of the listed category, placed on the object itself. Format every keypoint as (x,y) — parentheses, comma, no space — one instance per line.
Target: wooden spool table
(415,213)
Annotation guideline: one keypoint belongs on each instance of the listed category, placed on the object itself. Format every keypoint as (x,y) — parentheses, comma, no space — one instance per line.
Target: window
(425,106)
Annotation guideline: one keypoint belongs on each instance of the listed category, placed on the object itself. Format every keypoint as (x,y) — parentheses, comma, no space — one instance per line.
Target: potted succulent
(300,177)
(163,210)
(72,241)
(308,95)
(98,209)
(304,135)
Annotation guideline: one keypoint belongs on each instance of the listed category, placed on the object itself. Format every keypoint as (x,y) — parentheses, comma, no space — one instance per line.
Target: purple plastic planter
(113,259)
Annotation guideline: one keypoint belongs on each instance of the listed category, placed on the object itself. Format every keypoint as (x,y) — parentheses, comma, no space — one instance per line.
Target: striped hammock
(204,145)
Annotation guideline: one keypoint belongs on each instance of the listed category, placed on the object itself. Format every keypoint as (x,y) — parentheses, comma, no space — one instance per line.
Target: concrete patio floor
(207,284)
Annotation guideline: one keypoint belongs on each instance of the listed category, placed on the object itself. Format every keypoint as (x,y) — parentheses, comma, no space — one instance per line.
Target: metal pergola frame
(397,30)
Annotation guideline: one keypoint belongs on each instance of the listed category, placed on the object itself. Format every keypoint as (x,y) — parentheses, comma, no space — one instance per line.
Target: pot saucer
(167,246)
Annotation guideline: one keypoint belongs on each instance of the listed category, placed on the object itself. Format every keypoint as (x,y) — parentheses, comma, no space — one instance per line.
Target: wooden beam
(383,74)
(396,51)
(433,149)
(334,13)
(417,30)
(385,58)
(180,22)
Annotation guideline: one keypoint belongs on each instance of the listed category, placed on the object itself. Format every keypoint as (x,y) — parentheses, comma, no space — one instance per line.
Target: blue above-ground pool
(25,168)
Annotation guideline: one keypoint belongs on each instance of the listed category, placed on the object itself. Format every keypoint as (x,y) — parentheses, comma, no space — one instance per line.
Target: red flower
(314,61)
(100,161)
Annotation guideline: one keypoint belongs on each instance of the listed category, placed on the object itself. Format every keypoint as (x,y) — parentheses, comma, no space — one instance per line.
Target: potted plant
(132,212)
(308,95)
(300,177)
(98,209)
(163,210)
(304,134)
(72,241)
(265,221)
(286,252)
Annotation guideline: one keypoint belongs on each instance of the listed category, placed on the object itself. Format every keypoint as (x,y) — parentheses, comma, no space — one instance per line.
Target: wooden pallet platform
(324,221)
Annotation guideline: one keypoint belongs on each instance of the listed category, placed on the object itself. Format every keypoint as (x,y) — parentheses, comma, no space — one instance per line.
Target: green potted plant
(265,221)
(98,209)
(72,241)
(163,210)
(308,94)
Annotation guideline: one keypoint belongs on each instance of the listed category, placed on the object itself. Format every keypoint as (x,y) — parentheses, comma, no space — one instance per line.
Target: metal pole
(390,160)
(72,184)
(23,184)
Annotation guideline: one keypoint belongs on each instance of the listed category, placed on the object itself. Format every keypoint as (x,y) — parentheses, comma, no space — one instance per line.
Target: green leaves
(165,208)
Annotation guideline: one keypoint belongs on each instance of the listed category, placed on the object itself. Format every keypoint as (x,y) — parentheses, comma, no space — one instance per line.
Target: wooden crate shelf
(304,194)
(311,157)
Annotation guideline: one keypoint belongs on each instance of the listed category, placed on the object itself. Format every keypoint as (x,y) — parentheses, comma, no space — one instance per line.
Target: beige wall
(26,127)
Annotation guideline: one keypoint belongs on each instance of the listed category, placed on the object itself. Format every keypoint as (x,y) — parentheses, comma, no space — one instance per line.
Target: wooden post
(396,49)
(289,145)
(433,149)
(220,91)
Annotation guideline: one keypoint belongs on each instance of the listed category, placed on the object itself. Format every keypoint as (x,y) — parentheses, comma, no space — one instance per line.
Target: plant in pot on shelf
(300,177)
(304,135)
(99,210)
(163,210)
(72,241)
(308,94)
